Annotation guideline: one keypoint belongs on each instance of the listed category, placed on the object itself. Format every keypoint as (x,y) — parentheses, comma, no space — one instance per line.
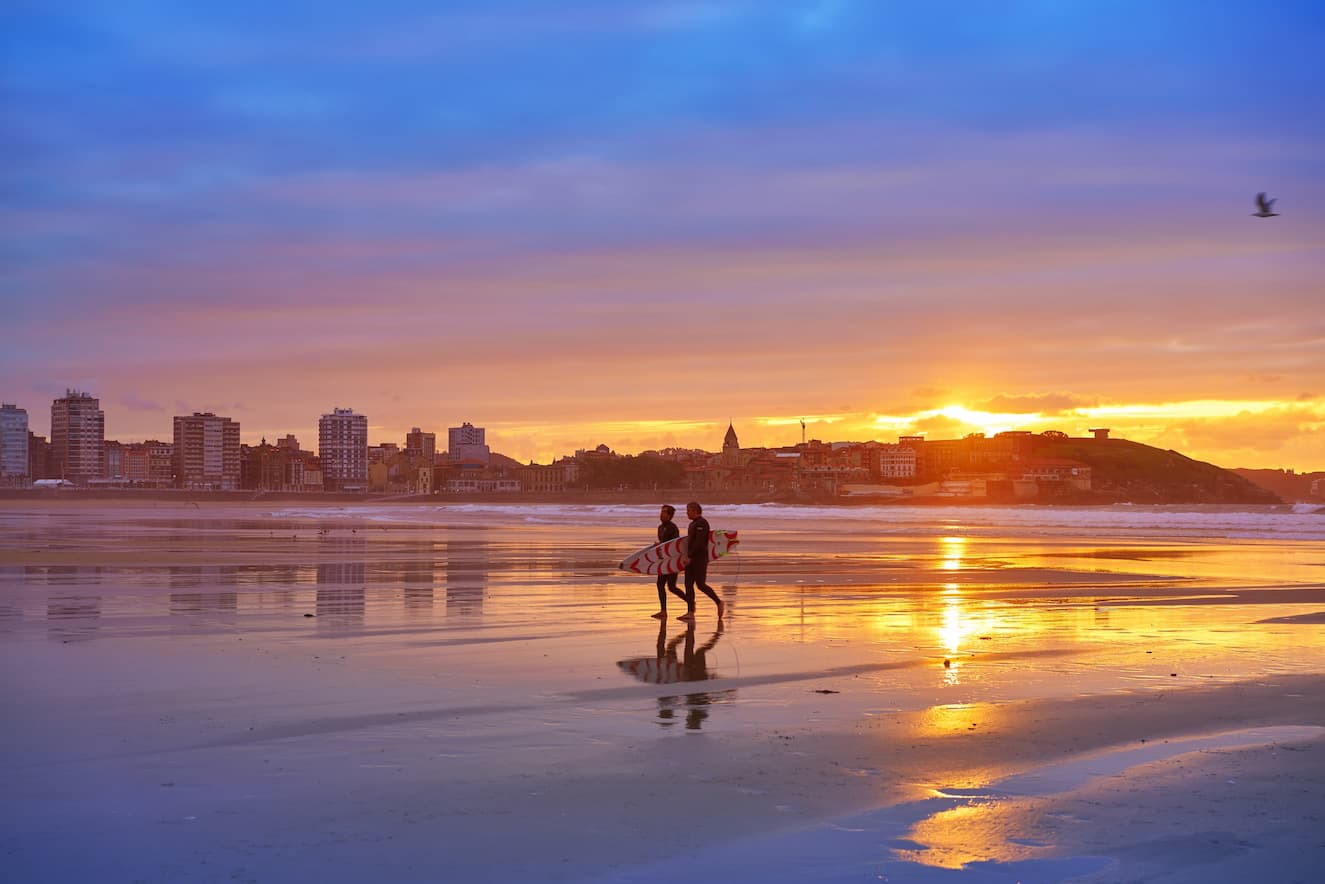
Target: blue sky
(525,214)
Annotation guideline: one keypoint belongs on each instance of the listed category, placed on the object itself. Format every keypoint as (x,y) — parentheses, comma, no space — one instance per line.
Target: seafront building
(342,438)
(280,467)
(466,444)
(206,452)
(78,435)
(13,445)
(150,463)
(421,447)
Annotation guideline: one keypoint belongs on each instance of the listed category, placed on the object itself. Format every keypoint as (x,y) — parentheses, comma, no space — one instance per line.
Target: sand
(476,697)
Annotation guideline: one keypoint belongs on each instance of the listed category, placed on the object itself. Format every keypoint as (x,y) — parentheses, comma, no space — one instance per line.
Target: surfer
(667,530)
(695,562)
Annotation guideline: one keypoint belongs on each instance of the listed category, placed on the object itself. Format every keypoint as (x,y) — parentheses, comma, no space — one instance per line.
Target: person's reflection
(665,667)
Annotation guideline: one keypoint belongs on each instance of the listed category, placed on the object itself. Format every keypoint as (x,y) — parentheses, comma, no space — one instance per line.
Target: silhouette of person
(667,530)
(696,560)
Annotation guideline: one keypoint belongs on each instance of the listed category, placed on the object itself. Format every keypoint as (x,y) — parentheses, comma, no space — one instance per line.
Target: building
(343,449)
(149,463)
(466,443)
(160,462)
(897,461)
(731,448)
(114,460)
(542,479)
(78,433)
(420,446)
(39,457)
(279,467)
(206,452)
(13,445)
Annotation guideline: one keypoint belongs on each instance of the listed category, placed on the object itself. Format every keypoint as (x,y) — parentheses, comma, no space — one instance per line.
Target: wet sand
(248,692)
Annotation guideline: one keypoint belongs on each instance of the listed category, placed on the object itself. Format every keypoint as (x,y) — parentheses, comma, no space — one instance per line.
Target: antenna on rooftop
(802,431)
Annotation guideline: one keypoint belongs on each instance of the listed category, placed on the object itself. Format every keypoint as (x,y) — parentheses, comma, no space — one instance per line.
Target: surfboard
(654,670)
(665,557)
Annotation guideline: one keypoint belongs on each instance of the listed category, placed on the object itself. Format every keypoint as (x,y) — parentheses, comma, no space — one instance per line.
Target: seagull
(1264,207)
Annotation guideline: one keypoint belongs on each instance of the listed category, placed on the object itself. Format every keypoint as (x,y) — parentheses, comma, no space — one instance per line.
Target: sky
(630,223)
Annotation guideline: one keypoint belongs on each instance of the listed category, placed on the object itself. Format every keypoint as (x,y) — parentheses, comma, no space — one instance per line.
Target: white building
(342,438)
(466,443)
(897,461)
(13,444)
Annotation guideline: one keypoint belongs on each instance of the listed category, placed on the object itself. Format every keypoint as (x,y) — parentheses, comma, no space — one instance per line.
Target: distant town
(205,454)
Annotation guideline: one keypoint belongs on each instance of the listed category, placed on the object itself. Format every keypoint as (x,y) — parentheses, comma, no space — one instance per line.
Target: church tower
(731,448)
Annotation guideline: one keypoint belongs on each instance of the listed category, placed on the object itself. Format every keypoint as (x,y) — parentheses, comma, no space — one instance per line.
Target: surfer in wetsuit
(667,530)
(696,561)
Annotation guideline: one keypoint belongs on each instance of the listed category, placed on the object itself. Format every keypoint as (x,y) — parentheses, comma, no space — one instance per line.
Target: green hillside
(1136,473)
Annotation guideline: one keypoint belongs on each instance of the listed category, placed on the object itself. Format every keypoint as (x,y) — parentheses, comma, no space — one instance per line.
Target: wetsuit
(667,582)
(697,536)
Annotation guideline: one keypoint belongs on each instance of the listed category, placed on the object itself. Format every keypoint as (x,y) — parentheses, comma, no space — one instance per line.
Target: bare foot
(661,615)
(721,608)
(689,618)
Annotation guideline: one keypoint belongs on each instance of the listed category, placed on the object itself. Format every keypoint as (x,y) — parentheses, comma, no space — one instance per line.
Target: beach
(286,690)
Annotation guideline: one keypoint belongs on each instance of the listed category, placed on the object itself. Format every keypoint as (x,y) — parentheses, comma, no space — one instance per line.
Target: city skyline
(633,223)
(466,441)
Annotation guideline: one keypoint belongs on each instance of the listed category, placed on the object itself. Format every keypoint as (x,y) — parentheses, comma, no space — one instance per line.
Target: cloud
(1271,430)
(134,402)
(1035,403)
(938,425)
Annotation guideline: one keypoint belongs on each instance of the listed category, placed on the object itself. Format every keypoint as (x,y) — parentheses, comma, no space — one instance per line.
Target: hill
(1287,484)
(1131,472)
(502,462)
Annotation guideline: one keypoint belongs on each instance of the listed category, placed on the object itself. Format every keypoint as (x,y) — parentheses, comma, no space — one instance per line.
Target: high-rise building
(465,443)
(421,446)
(342,438)
(206,452)
(13,444)
(78,431)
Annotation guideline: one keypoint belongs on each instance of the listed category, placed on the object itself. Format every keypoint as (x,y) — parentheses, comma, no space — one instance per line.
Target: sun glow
(964,419)
(1229,431)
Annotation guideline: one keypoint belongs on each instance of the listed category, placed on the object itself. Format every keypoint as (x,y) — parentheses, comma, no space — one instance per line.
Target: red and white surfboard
(665,557)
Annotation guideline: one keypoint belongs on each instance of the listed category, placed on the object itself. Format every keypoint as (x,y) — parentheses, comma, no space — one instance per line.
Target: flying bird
(1265,207)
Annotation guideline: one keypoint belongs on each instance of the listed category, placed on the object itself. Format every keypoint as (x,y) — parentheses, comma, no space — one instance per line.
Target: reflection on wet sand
(341,583)
(666,668)
(418,580)
(73,618)
(467,566)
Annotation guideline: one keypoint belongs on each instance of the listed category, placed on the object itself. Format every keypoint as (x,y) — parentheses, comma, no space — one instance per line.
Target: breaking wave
(1280,522)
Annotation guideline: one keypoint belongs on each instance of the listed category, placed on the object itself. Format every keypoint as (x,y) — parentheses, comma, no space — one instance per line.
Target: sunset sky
(602,221)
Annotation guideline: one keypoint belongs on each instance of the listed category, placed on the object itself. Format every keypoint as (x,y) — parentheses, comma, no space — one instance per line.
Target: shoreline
(633,497)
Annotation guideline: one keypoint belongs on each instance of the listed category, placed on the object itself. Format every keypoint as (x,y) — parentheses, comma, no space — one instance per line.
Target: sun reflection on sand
(952,631)
(974,832)
(951,718)
(953,550)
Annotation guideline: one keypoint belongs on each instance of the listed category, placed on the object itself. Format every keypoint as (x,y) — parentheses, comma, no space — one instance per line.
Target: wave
(1281,522)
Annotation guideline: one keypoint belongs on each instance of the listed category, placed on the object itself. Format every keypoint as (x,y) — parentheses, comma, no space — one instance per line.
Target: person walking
(667,530)
(696,561)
